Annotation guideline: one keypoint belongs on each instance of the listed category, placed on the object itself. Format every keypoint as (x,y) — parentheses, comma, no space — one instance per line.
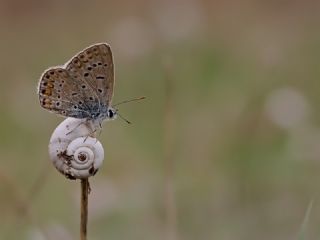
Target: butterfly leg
(89,135)
(78,125)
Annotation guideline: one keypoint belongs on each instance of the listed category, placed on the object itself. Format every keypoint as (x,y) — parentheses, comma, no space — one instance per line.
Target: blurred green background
(226,145)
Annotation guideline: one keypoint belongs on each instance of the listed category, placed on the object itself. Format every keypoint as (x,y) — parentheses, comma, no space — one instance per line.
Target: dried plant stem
(84,208)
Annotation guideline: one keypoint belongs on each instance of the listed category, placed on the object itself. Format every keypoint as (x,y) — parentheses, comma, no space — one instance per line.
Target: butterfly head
(112,113)
(104,113)
(107,113)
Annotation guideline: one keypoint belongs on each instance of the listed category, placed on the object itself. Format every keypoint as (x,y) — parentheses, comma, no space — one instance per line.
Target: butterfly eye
(110,113)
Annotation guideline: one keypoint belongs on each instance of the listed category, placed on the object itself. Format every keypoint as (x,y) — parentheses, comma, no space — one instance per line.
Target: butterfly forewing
(95,66)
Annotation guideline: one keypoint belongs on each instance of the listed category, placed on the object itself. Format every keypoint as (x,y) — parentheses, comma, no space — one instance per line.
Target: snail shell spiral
(73,150)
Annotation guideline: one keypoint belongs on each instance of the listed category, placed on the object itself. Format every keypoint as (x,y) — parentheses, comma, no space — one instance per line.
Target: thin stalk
(84,208)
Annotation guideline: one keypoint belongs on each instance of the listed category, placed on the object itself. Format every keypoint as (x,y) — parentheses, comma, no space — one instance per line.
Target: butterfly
(83,87)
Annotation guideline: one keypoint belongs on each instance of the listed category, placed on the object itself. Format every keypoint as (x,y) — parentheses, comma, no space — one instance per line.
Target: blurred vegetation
(235,143)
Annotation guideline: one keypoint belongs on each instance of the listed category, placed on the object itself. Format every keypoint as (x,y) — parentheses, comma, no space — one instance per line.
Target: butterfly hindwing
(61,94)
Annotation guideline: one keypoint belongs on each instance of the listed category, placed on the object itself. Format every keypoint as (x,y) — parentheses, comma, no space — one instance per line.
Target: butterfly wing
(95,66)
(62,94)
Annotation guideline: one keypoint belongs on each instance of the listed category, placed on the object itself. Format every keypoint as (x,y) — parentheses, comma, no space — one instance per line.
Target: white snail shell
(73,151)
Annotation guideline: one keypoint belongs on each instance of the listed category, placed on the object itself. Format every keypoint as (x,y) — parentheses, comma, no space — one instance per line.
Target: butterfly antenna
(124,119)
(130,100)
